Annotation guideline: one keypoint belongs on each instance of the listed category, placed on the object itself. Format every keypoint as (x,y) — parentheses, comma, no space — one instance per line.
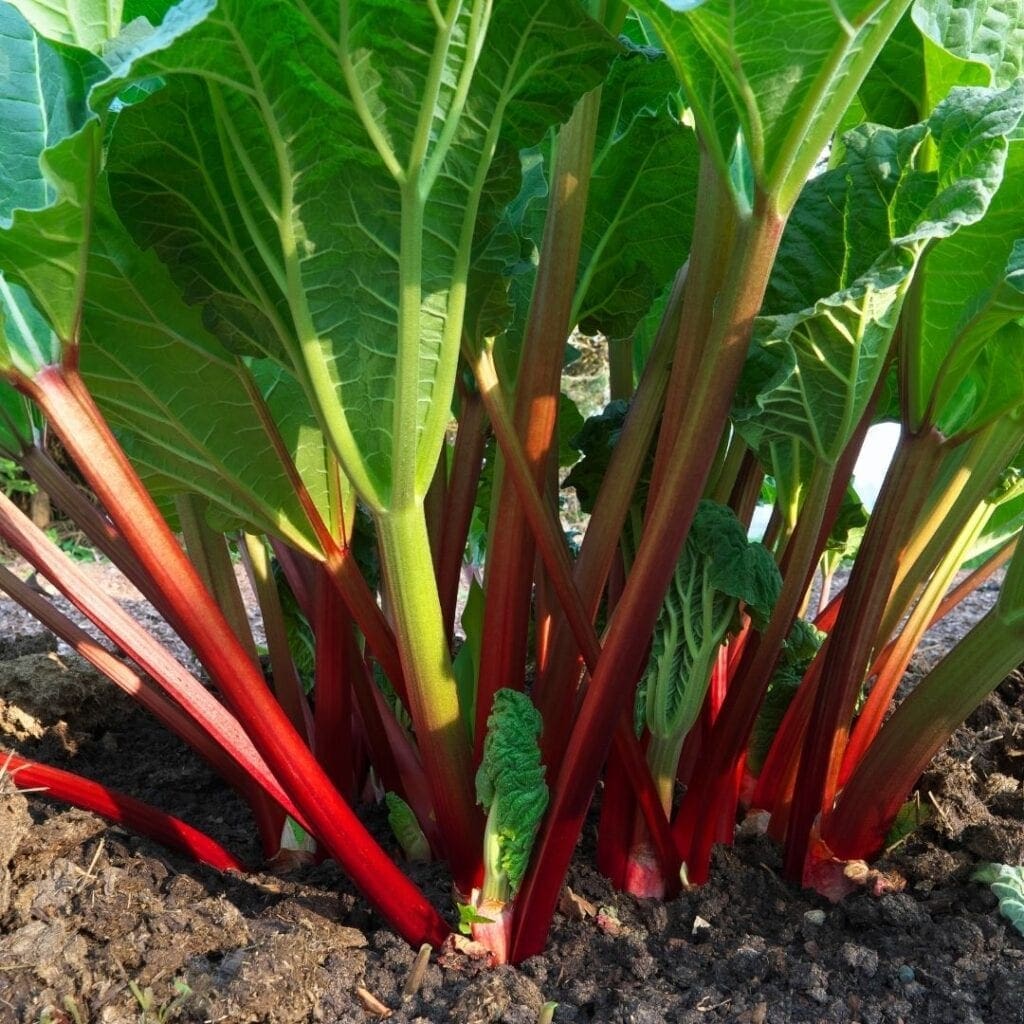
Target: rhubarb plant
(296,280)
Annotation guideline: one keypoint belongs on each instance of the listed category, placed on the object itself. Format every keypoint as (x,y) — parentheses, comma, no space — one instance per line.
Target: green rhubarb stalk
(209,553)
(987,455)
(894,659)
(432,691)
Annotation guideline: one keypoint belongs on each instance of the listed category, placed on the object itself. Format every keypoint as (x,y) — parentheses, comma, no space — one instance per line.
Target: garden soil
(97,925)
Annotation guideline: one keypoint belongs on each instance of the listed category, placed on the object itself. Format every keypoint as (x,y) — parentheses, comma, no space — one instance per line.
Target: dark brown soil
(99,926)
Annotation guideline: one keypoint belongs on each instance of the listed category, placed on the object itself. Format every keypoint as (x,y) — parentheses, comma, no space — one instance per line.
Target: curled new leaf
(719,569)
(511,788)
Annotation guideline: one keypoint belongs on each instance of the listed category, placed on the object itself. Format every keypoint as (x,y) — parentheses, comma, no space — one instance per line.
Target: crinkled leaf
(735,566)
(970,42)
(510,782)
(1007,882)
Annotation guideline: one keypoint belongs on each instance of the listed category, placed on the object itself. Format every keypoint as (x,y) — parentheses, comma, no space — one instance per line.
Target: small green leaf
(595,441)
(1007,882)
(798,652)
(911,816)
(469,917)
(407,829)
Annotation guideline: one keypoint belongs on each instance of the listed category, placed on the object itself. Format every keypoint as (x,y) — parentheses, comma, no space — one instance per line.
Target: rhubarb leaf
(343,162)
(19,425)
(595,442)
(88,24)
(511,788)
(855,237)
(735,63)
(642,196)
(50,174)
(847,532)
(798,652)
(962,356)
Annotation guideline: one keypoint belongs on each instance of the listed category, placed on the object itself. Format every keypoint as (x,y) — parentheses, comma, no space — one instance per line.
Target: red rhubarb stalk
(73,415)
(903,495)
(510,556)
(119,808)
(745,263)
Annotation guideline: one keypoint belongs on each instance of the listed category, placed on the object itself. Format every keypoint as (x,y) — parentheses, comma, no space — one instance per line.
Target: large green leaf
(183,403)
(51,173)
(962,353)
(642,196)
(856,237)
(340,153)
(937,46)
(42,100)
(782,74)
(180,400)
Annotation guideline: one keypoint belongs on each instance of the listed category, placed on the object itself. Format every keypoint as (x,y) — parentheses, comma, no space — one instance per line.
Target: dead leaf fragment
(575,907)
